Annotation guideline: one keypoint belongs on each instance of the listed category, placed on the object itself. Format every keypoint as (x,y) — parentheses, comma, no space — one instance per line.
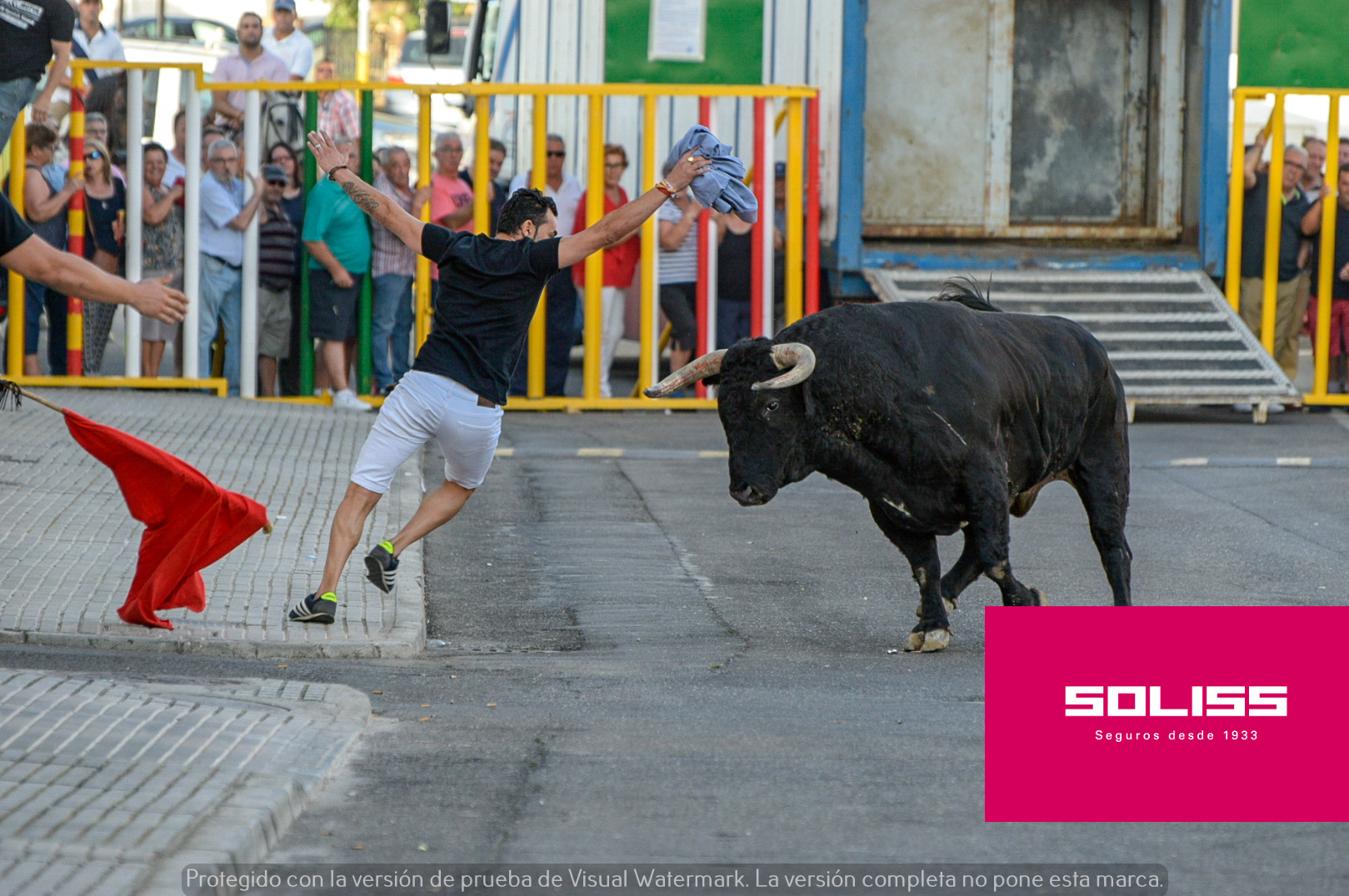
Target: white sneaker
(346,400)
(1242,407)
(1275,407)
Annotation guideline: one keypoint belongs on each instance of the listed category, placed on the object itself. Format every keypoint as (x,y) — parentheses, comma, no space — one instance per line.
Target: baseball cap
(274,172)
(287,5)
(780,169)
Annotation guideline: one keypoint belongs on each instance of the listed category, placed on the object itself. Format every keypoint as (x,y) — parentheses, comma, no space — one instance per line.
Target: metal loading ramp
(1171,335)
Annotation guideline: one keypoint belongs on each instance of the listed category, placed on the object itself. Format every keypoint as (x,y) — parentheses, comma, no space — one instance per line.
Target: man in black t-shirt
(31,33)
(489,289)
(26,254)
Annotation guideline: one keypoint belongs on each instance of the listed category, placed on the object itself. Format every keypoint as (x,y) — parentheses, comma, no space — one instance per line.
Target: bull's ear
(713,380)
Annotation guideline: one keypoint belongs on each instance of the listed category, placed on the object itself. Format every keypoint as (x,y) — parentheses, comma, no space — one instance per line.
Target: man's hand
(42,107)
(326,155)
(420,198)
(342,278)
(155,298)
(73,185)
(1344,272)
(689,168)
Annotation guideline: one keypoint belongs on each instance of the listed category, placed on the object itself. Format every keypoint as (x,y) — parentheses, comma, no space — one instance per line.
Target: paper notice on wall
(678,30)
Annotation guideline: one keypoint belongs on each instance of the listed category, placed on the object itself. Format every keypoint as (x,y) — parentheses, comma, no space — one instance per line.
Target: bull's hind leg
(1104,490)
(933,631)
(965,571)
(988,535)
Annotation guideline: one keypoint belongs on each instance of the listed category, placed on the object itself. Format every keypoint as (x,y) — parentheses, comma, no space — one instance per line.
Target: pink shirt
(449,194)
(267,67)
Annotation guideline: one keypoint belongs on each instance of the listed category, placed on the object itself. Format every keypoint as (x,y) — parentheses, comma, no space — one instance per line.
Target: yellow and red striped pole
(75,225)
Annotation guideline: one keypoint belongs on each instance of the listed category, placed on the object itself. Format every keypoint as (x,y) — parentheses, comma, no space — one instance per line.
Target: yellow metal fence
(792,97)
(1322,286)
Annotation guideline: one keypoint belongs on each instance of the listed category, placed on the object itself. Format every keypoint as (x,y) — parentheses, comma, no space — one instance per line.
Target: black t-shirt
(1339,289)
(27,28)
(13,229)
(489,289)
(1253,230)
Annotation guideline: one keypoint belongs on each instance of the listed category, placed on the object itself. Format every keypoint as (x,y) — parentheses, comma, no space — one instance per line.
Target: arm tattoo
(366,199)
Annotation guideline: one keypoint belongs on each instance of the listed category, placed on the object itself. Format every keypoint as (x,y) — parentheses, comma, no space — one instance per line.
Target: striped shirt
(276,249)
(390,256)
(339,115)
(681,265)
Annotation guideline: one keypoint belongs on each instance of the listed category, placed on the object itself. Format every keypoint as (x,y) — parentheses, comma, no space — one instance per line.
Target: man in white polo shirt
(290,43)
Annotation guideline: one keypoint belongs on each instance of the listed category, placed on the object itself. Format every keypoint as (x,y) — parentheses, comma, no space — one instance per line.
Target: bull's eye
(770,407)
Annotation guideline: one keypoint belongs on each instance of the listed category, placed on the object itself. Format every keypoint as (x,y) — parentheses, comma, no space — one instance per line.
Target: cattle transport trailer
(1067,152)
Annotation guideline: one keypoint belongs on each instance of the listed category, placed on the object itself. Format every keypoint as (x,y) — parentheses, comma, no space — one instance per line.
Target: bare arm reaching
(70,274)
(369,200)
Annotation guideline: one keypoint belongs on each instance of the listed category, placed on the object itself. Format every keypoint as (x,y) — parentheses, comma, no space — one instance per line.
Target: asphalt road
(634,668)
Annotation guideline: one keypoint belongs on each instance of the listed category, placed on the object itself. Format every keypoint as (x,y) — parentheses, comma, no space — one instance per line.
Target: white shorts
(423,407)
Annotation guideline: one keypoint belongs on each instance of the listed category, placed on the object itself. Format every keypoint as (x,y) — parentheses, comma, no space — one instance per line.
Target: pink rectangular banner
(1166,714)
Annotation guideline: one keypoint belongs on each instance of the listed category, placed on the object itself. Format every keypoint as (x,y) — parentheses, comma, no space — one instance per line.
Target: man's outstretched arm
(616,226)
(369,200)
(72,275)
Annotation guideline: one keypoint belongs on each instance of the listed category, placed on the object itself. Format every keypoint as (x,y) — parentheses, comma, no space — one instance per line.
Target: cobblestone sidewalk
(68,545)
(113,786)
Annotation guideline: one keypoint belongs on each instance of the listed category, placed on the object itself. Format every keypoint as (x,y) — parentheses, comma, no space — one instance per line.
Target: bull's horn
(796,358)
(698,369)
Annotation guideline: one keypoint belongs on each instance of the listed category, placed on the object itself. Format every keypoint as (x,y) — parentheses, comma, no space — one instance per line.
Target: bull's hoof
(950,603)
(928,642)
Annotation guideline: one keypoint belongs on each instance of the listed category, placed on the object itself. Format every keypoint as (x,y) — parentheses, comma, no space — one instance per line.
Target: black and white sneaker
(315,608)
(381,566)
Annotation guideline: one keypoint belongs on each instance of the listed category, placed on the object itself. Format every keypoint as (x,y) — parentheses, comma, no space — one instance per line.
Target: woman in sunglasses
(105,217)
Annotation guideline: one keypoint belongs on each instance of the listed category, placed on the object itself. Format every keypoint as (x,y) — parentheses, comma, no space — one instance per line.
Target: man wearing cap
(276,266)
(285,40)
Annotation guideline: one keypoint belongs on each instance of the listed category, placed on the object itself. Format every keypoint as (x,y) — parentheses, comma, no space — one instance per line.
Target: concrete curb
(252,820)
(73,546)
(230,768)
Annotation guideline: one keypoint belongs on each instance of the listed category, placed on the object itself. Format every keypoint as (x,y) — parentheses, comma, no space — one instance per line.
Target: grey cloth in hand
(723,186)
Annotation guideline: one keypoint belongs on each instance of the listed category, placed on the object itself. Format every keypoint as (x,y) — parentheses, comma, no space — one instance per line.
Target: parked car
(182,29)
(415,66)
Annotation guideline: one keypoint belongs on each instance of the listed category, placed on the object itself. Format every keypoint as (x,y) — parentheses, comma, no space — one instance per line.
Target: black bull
(945,415)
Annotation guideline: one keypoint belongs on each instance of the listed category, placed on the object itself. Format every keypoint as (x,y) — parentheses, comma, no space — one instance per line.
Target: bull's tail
(967,292)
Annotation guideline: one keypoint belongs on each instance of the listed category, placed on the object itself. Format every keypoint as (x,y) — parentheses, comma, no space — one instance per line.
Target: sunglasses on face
(557,153)
(277,183)
(615,164)
(94,156)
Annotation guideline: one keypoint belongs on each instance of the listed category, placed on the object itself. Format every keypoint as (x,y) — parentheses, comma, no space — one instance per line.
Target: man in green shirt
(337,236)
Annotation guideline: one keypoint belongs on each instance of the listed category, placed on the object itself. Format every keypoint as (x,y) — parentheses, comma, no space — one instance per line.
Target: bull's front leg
(933,631)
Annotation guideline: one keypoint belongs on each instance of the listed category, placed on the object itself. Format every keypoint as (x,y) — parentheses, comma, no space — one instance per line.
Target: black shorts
(332,309)
(679,301)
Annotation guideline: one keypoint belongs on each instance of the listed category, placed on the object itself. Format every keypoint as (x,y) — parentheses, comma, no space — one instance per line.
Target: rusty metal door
(1080,102)
(927,113)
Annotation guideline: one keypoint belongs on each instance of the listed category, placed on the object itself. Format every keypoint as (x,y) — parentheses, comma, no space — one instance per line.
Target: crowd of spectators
(320,230)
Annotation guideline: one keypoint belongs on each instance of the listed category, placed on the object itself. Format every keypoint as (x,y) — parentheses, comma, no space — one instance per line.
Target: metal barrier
(1322,288)
(802,226)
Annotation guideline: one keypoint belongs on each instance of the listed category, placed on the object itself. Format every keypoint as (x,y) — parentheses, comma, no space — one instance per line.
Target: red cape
(190,522)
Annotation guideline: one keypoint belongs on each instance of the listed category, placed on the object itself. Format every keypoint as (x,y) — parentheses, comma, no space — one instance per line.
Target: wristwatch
(334,170)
